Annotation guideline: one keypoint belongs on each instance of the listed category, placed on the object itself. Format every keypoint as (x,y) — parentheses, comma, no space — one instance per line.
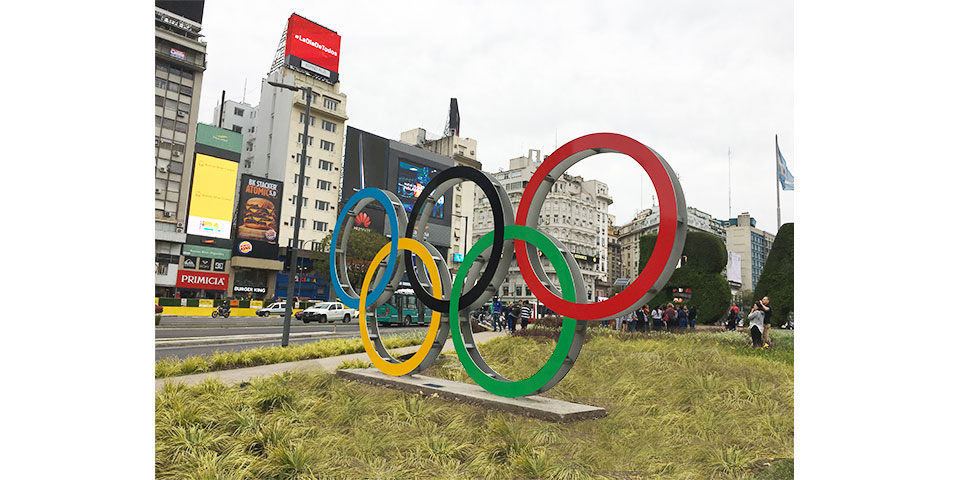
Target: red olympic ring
(597,143)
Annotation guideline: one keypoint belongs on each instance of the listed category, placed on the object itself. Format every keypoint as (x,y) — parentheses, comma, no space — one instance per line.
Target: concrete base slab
(534,406)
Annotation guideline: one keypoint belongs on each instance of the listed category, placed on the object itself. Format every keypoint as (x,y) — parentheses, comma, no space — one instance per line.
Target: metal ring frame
(490,258)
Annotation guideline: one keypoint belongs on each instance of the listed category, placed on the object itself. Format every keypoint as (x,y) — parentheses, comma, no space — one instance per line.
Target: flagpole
(776,172)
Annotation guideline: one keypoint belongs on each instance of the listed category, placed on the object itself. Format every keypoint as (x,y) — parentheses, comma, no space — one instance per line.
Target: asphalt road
(187,327)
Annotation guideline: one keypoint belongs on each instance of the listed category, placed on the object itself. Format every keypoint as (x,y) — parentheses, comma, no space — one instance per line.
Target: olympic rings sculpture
(489,260)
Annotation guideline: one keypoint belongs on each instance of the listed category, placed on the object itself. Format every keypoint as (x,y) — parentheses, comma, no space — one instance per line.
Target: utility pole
(293,273)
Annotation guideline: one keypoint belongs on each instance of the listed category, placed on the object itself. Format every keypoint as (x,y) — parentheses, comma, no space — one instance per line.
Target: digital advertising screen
(312,43)
(258,217)
(411,178)
(211,198)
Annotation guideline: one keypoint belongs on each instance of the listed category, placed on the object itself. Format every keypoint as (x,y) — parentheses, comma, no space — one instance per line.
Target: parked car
(278,308)
(328,312)
(157,309)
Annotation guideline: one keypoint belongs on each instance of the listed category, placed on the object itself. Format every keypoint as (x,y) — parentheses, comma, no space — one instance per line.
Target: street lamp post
(285,339)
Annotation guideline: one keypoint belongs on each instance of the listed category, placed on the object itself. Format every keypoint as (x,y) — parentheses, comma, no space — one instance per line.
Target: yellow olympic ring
(397,368)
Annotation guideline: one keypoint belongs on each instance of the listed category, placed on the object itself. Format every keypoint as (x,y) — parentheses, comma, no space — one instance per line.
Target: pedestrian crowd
(664,317)
(507,316)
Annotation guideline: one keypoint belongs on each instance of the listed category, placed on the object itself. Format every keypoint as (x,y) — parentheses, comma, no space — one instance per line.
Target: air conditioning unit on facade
(167,214)
(179,224)
(176,153)
(179,229)
(163,169)
(181,114)
(157,191)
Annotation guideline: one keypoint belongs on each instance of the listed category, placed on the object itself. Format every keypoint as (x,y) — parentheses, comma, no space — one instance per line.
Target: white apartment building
(180,59)
(277,142)
(575,212)
(241,118)
(463,151)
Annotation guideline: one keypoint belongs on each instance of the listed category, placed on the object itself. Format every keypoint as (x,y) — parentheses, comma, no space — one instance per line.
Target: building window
(323,185)
(186,90)
(160,83)
(293,200)
(324,165)
(306,180)
(309,159)
(321,205)
(328,146)
(300,139)
(180,127)
(312,119)
(173,87)
(330,103)
(320,226)
(238,111)
(237,128)
(303,222)
(328,126)
(519,290)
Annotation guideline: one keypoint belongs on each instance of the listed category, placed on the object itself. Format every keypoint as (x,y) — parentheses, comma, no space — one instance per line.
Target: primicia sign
(202,280)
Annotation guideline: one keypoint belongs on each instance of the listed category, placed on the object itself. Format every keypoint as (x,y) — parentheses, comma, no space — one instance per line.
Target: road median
(228,339)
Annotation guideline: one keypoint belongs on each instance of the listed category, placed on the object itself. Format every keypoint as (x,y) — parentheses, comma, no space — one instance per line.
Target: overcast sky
(688,79)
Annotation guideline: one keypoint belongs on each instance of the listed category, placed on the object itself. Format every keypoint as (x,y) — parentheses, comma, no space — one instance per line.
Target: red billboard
(312,43)
(202,280)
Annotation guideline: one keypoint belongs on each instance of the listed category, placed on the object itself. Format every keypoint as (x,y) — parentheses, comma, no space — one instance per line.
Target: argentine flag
(786,178)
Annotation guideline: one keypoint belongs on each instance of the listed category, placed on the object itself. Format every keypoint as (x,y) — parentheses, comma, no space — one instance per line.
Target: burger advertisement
(258,217)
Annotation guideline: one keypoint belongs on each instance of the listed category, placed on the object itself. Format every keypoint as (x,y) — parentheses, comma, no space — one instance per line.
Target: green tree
(706,256)
(362,245)
(776,279)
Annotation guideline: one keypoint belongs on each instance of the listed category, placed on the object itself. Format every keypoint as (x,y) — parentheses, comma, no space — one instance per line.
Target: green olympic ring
(572,333)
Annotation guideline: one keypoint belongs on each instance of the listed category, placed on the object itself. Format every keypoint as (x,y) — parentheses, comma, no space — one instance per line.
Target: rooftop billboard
(312,47)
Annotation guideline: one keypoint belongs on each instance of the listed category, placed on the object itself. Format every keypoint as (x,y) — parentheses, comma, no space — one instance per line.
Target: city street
(193,327)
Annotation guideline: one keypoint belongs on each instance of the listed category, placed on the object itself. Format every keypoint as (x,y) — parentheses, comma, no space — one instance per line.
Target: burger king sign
(244,247)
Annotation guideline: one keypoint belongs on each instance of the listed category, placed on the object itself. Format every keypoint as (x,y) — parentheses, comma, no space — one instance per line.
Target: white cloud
(688,79)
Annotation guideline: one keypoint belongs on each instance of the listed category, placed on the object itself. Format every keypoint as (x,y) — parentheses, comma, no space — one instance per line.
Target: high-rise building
(463,151)
(307,56)
(241,118)
(752,244)
(180,60)
(575,212)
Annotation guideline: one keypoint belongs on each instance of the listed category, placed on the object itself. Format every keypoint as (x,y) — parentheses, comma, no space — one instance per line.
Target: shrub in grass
(776,280)
(354,363)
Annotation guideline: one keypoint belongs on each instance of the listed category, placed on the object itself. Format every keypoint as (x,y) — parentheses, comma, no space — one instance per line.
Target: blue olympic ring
(395,233)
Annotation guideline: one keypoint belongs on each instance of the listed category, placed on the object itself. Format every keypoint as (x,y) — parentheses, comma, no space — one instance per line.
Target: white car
(278,308)
(328,312)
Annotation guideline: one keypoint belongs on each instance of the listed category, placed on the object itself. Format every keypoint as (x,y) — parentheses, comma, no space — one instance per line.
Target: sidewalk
(235,376)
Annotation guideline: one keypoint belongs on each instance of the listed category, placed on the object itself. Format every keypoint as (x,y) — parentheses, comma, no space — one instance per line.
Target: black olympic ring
(497,264)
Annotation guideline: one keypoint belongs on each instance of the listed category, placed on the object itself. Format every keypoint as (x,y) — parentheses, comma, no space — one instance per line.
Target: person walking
(632,326)
(619,323)
(495,314)
(526,313)
(682,321)
(693,316)
(756,326)
(670,317)
(645,319)
(513,311)
(732,318)
(655,317)
(764,306)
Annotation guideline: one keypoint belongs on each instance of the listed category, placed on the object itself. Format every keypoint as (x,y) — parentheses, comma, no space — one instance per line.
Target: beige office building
(180,59)
(277,142)
(575,212)
(752,244)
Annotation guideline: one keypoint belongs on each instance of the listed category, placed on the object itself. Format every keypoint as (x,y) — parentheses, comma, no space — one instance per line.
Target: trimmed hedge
(706,258)
(776,279)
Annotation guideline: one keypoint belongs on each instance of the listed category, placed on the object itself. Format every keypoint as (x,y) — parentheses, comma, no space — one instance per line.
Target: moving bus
(403,308)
